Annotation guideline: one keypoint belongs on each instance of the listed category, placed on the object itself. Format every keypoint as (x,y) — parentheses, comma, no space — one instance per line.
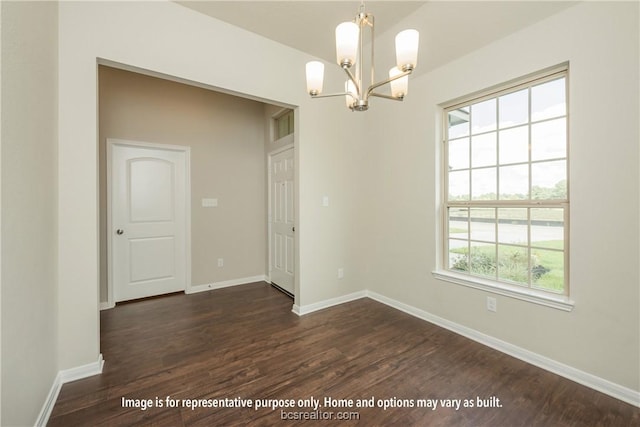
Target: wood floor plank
(245,342)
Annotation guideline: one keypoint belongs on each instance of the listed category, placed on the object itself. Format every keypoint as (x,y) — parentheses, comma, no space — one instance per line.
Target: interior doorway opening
(230,138)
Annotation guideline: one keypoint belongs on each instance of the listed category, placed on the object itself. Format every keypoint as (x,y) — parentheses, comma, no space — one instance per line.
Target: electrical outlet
(340,273)
(492,304)
(220,262)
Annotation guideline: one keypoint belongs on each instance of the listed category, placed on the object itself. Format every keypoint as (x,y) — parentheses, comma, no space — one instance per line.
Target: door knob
(119,231)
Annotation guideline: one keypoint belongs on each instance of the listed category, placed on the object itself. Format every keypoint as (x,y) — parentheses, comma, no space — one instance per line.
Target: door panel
(148,221)
(282,272)
(151,259)
(151,189)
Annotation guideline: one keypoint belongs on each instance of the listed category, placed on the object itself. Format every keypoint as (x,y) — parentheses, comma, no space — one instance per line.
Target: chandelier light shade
(315,77)
(347,36)
(407,49)
(351,93)
(349,56)
(400,86)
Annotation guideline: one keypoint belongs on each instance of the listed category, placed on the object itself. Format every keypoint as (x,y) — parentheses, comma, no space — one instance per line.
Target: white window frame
(560,301)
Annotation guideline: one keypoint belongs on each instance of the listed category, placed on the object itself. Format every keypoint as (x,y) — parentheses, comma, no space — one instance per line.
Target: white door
(282,220)
(148,227)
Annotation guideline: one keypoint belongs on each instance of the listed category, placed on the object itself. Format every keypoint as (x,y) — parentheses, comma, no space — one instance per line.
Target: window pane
(458,255)
(284,125)
(483,260)
(547,271)
(459,185)
(513,225)
(483,116)
(514,108)
(458,123)
(547,228)
(549,180)
(483,184)
(513,264)
(483,150)
(514,182)
(514,145)
(548,100)
(483,224)
(459,153)
(459,223)
(458,243)
(549,140)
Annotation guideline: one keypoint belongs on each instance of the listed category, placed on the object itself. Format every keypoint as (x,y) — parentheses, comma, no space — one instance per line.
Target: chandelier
(350,53)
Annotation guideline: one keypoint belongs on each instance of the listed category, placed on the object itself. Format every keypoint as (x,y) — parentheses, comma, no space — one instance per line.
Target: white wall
(29,208)
(166,38)
(601,336)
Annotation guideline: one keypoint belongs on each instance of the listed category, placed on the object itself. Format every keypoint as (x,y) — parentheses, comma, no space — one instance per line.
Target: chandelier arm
(389,80)
(329,95)
(382,95)
(353,80)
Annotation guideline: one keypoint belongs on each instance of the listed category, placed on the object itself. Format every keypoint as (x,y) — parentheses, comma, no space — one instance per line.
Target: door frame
(111,142)
(270,155)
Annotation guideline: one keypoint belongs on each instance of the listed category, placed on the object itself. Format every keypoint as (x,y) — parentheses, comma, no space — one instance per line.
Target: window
(506,195)
(284,125)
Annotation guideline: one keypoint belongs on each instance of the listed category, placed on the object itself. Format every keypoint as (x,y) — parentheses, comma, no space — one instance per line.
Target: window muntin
(506,193)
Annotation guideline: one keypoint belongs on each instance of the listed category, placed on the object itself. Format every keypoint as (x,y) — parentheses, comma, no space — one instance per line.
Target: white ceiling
(448,29)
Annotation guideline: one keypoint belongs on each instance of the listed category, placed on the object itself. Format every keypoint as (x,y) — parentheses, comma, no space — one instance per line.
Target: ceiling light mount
(350,55)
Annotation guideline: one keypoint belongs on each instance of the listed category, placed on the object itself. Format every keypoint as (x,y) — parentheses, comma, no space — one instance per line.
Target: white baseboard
(84,371)
(61,378)
(106,305)
(301,310)
(225,284)
(49,403)
(604,386)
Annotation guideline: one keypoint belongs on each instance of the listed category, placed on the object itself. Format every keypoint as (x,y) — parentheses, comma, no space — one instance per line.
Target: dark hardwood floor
(244,342)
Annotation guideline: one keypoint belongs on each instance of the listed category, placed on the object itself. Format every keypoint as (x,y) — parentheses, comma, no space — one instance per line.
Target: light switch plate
(209,203)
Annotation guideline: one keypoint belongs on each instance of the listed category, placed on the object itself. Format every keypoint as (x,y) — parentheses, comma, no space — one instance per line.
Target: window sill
(559,302)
